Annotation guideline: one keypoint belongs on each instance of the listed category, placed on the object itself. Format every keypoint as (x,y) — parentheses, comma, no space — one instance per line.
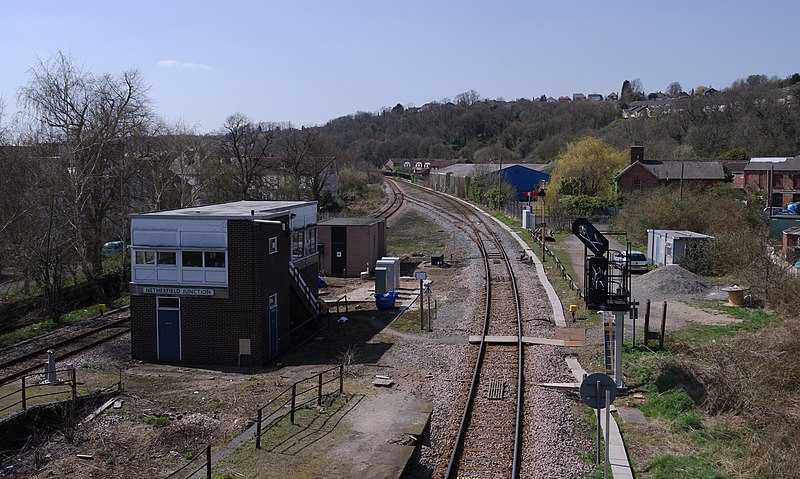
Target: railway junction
(458,400)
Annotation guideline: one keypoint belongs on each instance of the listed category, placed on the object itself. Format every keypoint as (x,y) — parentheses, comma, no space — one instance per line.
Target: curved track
(488,440)
(396,202)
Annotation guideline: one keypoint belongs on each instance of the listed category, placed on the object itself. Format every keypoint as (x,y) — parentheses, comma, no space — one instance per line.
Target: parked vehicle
(638,261)
(114,247)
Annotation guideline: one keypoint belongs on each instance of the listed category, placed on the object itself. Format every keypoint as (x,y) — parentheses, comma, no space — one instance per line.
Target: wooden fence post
(646,323)
(291,413)
(23,393)
(341,378)
(319,391)
(258,430)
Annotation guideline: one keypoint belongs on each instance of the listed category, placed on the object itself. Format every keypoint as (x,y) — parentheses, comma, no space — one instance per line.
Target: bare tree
(90,118)
(178,168)
(246,146)
(307,163)
(48,256)
(674,89)
(637,86)
(468,98)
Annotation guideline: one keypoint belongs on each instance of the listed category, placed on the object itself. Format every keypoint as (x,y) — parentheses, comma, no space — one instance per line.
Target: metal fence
(296,396)
(561,268)
(30,389)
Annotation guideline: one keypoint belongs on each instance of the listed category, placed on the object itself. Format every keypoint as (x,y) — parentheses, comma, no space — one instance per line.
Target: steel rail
(392,208)
(457,451)
(65,342)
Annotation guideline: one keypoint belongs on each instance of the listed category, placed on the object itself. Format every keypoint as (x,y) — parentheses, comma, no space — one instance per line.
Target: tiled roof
(692,169)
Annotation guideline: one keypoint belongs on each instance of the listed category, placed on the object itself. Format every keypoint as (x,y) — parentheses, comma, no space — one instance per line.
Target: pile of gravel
(671,281)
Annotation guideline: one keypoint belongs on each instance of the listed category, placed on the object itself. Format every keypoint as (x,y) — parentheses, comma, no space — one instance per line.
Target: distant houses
(578,96)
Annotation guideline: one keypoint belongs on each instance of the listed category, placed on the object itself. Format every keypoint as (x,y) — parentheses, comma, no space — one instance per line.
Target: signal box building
(347,245)
(227,284)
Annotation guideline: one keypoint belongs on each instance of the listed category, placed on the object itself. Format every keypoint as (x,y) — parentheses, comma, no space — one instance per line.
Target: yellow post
(102,308)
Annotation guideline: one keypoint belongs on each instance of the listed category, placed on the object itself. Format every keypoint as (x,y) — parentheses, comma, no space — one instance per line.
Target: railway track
(488,439)
(396,202)
(32,359)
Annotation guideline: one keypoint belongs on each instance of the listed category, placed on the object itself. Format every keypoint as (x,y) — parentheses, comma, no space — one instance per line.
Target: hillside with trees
(88,149)
(758,115)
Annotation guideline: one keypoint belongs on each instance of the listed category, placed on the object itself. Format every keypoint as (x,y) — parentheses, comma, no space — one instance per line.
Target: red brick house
(226,284)
(779,177)
(643,174)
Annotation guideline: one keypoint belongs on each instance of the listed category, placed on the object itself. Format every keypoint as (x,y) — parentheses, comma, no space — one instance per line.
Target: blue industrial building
(524,177)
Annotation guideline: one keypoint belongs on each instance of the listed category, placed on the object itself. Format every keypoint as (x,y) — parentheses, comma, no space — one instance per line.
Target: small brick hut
(347,245)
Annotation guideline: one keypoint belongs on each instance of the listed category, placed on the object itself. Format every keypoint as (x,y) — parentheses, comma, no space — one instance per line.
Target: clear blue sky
(310,61)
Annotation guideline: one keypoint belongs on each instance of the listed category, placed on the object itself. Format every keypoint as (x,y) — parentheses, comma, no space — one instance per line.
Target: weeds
(676,406)
(156,421)
(681,467)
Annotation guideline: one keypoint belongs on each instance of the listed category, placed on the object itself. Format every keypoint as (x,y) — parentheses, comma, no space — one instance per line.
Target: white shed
(669,246)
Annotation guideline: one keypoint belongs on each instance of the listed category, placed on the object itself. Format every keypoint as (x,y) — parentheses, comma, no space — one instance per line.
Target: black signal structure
(606,281)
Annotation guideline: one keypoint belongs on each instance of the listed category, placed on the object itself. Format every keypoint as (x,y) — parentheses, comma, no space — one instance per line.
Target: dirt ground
(682,310)
(169,414)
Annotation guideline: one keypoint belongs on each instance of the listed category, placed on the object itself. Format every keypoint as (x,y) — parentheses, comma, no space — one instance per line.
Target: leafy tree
(684,152)
(626,94)
(587,167)
(736,154)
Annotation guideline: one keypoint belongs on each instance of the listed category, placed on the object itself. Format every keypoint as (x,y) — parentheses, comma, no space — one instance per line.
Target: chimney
(637,153)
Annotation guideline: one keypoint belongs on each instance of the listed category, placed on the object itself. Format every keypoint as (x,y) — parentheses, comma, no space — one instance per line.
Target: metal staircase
(302,288)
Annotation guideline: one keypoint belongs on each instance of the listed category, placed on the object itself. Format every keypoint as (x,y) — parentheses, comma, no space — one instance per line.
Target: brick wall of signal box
(211,327)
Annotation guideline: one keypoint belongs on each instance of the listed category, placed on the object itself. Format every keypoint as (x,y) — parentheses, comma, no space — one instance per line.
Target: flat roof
(350,222)
(679,233)
(468,169)
(237,209)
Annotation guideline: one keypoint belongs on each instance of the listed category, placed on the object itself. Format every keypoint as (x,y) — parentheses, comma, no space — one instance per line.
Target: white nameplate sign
(180,291)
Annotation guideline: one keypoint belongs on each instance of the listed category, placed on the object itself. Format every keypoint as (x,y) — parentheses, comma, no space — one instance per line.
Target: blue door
(169,329)
(273,326)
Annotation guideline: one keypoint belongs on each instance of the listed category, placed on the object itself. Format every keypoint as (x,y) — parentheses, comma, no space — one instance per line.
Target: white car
(638,261)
